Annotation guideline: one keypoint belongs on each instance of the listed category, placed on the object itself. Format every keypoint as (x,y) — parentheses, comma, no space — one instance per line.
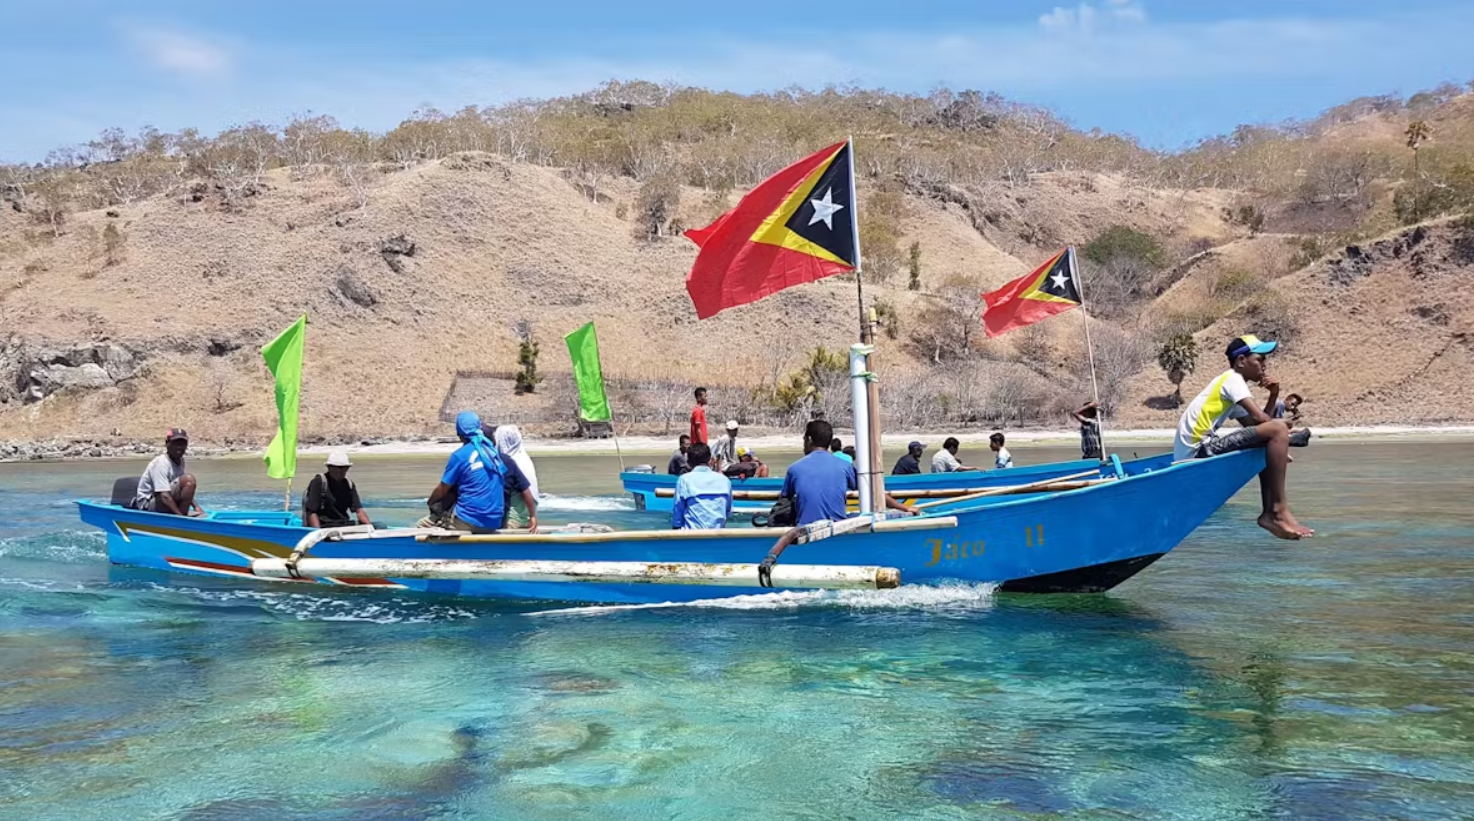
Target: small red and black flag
(794,227)
(1050,290)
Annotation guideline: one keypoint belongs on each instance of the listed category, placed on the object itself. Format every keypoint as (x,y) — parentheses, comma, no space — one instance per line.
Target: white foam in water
(948,599)
(549,501)
(317,607)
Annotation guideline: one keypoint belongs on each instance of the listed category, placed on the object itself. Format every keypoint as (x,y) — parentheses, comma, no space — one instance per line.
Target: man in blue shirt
(703,496)
(818,484)
(478,479)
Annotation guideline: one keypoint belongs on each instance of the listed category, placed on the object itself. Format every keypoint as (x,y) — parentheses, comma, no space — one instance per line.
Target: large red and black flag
(1052,289)
(794,227)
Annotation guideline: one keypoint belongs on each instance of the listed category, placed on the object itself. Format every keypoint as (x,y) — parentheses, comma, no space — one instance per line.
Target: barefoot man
(1227,397)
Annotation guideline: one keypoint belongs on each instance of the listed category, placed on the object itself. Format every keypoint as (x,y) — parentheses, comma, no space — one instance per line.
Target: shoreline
(642,447)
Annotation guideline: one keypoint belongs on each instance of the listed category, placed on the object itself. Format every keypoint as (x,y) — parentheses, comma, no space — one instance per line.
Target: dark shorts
(1241,439)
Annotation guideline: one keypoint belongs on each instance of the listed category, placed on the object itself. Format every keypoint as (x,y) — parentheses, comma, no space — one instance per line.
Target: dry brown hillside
(127,309)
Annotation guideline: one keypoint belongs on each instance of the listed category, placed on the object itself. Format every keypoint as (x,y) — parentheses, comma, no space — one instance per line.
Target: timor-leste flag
(794,227)
(1050,290)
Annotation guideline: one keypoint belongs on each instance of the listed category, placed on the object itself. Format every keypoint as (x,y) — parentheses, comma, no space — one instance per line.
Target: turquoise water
(1239,678)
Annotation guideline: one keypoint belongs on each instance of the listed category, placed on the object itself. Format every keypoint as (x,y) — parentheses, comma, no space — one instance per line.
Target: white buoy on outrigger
(818,577)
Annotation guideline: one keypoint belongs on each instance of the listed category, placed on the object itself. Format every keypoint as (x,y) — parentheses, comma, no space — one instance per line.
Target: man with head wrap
(479,479)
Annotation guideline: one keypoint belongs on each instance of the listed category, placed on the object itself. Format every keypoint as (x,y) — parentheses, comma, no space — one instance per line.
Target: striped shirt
(1217,404)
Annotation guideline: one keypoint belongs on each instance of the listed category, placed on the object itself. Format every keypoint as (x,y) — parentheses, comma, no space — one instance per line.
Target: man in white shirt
(1228,397)
(945,460)
(725,448)
(165,487)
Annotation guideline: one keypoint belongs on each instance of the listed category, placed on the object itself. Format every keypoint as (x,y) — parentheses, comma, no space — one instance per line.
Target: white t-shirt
(1218,403)
(1002,459)
(944,462)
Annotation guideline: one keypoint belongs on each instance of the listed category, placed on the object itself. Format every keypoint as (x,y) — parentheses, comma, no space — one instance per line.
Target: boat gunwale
(765,534)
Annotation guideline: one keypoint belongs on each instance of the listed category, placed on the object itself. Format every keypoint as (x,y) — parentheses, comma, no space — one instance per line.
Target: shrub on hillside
(656,205)
(1124,242)
(880,233)
(948,327)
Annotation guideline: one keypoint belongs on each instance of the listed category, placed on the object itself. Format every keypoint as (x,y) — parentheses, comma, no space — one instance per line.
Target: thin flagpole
(287,499)
(1090,353)
(615,434)
(855,233)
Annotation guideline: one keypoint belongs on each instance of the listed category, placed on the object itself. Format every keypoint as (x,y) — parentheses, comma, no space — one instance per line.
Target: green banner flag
(583,346)
(283,357)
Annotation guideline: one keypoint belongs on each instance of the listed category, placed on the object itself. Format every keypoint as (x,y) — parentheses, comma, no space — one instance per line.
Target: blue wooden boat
(646,488)
(1088,539)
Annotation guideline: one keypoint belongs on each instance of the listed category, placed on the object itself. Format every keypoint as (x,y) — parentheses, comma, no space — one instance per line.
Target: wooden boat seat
(124,490)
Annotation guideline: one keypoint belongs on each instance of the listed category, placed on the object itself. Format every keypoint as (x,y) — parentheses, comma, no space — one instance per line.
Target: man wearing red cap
(165,487)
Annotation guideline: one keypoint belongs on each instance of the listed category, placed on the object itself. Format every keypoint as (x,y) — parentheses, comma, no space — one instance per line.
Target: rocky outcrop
(37,373)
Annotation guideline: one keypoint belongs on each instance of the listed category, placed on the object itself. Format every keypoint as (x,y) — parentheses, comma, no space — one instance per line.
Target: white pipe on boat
(859,403)
(820,577)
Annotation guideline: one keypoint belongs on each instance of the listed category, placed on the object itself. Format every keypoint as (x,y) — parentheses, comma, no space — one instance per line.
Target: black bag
(783,514)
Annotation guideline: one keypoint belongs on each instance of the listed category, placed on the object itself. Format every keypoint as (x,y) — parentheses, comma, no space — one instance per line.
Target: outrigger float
(1088,537)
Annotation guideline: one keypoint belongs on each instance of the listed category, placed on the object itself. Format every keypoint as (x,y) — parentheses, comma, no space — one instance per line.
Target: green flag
(583,346)
(283,356)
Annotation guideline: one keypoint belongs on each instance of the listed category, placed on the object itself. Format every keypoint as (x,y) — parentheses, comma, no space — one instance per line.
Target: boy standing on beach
(1228,397)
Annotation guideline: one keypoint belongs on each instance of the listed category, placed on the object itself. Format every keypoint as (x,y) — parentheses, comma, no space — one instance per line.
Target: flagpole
(870,472)
(1090,354)
(287,501)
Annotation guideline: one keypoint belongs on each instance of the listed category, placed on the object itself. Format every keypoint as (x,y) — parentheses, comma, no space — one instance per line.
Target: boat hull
(643,487)
(1085,540)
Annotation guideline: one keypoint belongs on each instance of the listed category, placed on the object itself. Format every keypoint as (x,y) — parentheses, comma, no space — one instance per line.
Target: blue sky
(1168,72)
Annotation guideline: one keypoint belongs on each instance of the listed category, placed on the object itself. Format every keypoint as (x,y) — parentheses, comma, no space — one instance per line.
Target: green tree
(527,378)
(1124,242)
(1178,357)
(915,282)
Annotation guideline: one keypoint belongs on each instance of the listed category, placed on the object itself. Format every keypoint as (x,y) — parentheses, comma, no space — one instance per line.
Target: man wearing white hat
(725,449)
(331,501)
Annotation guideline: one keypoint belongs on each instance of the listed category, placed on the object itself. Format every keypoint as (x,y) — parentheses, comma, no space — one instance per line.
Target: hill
(139,275)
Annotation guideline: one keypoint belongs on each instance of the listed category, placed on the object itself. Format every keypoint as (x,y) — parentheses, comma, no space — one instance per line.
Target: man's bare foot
(1284,527)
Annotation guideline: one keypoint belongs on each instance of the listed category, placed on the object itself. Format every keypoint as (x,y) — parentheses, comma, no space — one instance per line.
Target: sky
(1169,72)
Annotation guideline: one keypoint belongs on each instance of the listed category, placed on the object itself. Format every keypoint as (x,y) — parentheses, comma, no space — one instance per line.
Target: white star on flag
(825,209)
(1059,279)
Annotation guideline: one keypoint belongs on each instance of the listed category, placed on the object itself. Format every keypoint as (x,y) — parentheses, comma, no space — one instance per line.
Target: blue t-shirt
(480,492)
(817,484)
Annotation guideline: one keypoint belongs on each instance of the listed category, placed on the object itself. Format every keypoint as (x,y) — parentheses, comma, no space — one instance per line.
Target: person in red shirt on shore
(698,419)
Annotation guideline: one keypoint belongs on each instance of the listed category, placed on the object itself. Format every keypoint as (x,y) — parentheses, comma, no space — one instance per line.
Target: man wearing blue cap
(478,479)
(1228,397)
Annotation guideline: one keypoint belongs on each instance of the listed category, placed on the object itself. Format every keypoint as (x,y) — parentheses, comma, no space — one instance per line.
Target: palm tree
(1178,357)
(1418,132)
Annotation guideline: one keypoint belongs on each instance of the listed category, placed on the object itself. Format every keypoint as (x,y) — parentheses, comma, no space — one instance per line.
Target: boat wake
(549,501)
(68,547)
(945,599)
(316,606)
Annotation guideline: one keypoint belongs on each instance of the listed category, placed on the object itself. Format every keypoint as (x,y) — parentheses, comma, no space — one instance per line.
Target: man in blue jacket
(478,480)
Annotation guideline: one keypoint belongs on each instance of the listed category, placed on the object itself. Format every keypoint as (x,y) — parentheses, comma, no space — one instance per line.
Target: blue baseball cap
(915,446)
(1247,344)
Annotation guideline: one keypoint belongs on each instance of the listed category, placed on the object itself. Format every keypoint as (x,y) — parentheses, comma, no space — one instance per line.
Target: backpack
(328,500)
(783,514)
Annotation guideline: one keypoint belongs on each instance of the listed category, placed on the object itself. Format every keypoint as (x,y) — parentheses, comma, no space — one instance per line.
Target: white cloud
(179,52)
(1086,17)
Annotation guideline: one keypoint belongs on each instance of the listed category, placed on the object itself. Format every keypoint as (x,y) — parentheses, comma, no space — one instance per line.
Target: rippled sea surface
(1239,678)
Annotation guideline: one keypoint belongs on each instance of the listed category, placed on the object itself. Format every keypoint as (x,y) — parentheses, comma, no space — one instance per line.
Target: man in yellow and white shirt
(1228,397)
